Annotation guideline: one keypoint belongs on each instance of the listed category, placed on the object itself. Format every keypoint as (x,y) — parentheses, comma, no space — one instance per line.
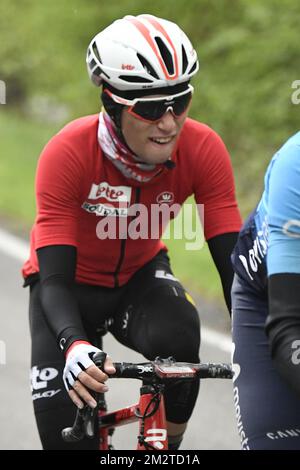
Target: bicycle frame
(152,432)
(152,429)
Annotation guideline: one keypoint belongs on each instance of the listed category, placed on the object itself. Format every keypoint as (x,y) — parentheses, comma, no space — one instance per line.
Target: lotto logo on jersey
(110,193)
(111,200)
(44,382)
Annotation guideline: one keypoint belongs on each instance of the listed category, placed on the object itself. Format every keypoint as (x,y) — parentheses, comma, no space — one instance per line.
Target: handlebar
(166,369)
(154,372)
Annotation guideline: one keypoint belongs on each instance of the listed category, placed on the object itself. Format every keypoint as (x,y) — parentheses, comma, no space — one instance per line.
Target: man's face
(152,142)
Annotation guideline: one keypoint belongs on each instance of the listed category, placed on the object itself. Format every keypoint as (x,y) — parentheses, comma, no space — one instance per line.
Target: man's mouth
(162,140)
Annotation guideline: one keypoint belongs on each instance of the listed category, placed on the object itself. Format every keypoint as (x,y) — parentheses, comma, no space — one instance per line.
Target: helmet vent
(184,60)
(92,63)
(98,71)
(166,55)
(130,78)
(193,68)
(96,52)
(147,66)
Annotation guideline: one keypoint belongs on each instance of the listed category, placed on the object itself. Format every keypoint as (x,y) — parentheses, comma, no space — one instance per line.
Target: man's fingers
(93,384)
(75,399)
(84,394)
(96,373)
(109,366)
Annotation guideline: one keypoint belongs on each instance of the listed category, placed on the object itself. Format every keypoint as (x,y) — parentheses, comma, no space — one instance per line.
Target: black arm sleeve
(221,248)
(57,273)
(283,326)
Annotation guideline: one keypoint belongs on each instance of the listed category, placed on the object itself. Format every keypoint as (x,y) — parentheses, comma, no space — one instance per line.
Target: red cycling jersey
(77,186)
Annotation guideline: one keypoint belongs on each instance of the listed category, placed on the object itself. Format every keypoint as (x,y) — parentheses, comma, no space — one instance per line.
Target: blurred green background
(249,56)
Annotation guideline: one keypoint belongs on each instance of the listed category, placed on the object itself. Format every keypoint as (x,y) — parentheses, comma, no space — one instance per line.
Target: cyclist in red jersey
(98,181)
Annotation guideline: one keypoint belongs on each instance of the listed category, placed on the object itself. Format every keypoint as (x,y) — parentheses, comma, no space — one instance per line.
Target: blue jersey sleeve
(283,200)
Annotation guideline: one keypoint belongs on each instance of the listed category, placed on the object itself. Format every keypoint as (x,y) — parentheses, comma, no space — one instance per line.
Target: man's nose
(167,121)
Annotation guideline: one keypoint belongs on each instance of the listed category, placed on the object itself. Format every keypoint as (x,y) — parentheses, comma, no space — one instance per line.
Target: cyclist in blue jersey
(266,310)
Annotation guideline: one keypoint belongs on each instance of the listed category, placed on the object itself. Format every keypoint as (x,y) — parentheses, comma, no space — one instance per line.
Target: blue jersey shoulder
(269,241)
(280,208)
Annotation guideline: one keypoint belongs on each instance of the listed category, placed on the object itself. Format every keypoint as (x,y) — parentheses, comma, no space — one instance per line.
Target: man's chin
(158,158)
(157,161)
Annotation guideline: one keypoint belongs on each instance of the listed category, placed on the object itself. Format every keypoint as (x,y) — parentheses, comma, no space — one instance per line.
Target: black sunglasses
(153,109)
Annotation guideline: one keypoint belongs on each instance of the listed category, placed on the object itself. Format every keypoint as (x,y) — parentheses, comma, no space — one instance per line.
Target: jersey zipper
(123,243)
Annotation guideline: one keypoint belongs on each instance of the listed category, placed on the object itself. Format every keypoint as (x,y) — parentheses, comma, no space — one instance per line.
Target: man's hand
(81,375)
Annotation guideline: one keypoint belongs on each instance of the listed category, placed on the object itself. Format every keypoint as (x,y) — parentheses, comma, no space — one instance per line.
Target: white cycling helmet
(141,52)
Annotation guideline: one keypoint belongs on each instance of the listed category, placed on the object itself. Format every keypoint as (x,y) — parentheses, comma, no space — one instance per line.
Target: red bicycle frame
(150,412)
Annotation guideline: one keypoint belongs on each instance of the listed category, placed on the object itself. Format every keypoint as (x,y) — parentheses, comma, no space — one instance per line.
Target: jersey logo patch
(110,193)
(166,197)
(111,200)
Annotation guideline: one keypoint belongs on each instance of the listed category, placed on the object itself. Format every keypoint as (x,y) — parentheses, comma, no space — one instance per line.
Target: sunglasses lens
(154,110)
(149,110)
(181,104)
